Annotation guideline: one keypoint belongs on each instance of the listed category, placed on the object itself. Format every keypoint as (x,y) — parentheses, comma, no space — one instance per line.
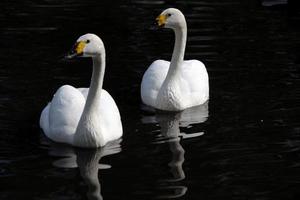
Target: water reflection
(170,124)
(87,160)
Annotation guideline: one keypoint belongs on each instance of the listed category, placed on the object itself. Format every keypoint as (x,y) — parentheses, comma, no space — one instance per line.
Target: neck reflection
(87,160)
(170,123)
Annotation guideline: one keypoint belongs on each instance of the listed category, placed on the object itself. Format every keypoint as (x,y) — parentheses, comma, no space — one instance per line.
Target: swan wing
(60,118)
(153,80)
(110,118)
(44,119)
(195,77)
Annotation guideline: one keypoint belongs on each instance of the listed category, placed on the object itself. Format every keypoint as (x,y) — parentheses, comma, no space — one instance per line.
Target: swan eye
(87,41)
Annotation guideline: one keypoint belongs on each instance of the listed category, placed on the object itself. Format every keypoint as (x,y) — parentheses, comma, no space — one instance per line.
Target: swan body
(183,92)
(179,84)
(83,117)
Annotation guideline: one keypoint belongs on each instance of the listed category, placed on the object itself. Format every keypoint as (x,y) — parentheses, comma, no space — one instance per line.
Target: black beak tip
(154,26)
(70,55)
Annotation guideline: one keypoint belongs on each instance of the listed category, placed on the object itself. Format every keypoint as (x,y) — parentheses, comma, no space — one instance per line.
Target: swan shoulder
(152,81)
(108,108)
(107,102)
(84,91)
(64,113)
(109,114)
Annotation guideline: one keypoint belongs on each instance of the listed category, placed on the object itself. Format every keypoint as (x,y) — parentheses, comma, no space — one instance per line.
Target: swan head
(171,18)
(88,45)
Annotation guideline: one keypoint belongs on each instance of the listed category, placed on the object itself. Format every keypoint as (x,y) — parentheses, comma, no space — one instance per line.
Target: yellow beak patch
(79,47)
(161,20)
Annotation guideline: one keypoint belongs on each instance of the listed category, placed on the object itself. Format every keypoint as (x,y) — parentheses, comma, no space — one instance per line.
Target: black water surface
(244,144)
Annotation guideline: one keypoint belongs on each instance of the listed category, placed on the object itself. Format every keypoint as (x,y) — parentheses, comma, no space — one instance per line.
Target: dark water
(245,144)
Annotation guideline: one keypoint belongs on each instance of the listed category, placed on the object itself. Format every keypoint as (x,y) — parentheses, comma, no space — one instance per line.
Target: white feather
(193,78)
(83,117)
(179,84)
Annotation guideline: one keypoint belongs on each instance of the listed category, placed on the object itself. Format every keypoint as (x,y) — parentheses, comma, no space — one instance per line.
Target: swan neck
(88,127)
(93,98)
(179,48)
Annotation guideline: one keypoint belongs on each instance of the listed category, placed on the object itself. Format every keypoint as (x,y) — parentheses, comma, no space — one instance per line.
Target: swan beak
(161,20)
(77,50)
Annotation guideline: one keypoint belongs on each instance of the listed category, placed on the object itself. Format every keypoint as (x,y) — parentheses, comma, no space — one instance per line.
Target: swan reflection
(87,160)
(170,124)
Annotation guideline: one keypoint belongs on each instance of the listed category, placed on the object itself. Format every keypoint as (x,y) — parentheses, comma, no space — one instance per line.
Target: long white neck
(93,98)
(179,49)
(88,131)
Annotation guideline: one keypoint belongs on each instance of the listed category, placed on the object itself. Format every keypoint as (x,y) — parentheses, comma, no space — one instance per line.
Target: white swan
(80,116)
(180,84)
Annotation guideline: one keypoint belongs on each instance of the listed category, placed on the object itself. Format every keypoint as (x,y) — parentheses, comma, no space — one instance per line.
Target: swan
(179,84)
(83,117)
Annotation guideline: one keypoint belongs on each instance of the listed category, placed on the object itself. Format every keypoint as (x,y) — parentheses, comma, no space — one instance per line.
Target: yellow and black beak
(161,20)
(77,49)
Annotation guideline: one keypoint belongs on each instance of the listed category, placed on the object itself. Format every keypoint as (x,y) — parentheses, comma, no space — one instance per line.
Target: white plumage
(190,87)
(179,84)
(81,116)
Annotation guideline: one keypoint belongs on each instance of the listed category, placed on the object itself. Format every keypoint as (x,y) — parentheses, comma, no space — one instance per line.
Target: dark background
(251,143)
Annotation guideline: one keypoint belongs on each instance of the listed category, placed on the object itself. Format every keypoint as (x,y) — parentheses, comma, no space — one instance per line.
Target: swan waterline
(84,117)
(179,84)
